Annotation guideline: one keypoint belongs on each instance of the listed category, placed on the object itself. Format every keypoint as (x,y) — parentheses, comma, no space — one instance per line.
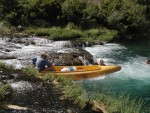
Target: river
(134,77)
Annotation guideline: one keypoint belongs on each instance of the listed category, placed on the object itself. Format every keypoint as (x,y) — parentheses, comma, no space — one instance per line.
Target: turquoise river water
(132,79)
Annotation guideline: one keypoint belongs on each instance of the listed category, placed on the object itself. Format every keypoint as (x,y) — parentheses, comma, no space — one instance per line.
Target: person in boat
(41,62)
(101,62)
(147,61)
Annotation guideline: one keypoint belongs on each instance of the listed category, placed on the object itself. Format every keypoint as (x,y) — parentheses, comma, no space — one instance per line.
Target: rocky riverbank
(20,51)
(31,94)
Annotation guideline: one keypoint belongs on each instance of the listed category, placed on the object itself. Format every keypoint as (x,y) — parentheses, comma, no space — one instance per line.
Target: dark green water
(134,77)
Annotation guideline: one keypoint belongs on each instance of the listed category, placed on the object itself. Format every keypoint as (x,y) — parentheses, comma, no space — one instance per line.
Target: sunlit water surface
(134,77)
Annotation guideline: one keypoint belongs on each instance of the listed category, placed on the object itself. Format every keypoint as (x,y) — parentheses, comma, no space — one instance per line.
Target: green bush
(99,34)
(127,15)
(3,90)
(63,81)
(93,32)
(5,28)
(76,93)
(72,10)
(64,33)
(40,31)
(68,33)
(31,71)
(48,77)
(71,25)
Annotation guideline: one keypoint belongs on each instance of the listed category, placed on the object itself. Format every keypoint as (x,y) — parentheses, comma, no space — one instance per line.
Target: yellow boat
(80,72)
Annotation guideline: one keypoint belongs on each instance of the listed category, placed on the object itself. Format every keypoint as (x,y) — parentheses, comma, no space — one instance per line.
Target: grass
(31,71)
(118,104)
(56,33)
(66,33)
(5,28)
(48,77)
(38,31)
(69,33)
(76,93)
(5,67)
(99,34)
(3,94)
(73,91)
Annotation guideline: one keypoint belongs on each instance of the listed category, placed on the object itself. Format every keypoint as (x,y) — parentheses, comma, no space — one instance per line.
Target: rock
(78,43)
(20,28)
(81,43)
(7,57)
(70,57)
(16,107)
(100,108)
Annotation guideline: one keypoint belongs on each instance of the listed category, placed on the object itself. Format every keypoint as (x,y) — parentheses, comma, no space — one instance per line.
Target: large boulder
(71,56)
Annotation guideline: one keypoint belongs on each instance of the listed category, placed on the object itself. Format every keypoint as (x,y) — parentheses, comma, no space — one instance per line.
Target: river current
(134,77)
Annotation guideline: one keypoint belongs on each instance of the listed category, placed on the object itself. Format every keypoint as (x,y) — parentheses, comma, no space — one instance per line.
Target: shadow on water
(139,47)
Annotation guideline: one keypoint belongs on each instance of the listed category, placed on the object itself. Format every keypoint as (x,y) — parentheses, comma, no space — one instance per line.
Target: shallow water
(133,78)
(24,53)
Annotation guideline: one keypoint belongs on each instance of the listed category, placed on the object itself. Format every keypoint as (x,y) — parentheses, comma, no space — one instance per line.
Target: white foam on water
(22,52)
(14,62)
(133,66)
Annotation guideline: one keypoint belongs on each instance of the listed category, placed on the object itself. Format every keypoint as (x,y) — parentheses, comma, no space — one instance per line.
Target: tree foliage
(72,10)
(122,15)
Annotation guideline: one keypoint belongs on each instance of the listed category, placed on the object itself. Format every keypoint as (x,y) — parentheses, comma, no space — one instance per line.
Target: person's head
(43,55)
(147,61)
(101,61)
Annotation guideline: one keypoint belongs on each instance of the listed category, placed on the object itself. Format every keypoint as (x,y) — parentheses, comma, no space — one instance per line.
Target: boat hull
(82,72)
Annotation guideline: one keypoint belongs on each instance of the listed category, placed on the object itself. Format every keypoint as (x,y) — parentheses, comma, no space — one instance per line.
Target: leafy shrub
(64,33)
(63,80)
(4,28)
(31,71)
(71,25)
(76,93)
(3,92)
(38,31)
(99,34)
(48,77)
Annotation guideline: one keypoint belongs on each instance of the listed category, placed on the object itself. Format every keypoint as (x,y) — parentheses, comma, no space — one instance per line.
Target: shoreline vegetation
(69,32)
(102,20)
(98,101)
